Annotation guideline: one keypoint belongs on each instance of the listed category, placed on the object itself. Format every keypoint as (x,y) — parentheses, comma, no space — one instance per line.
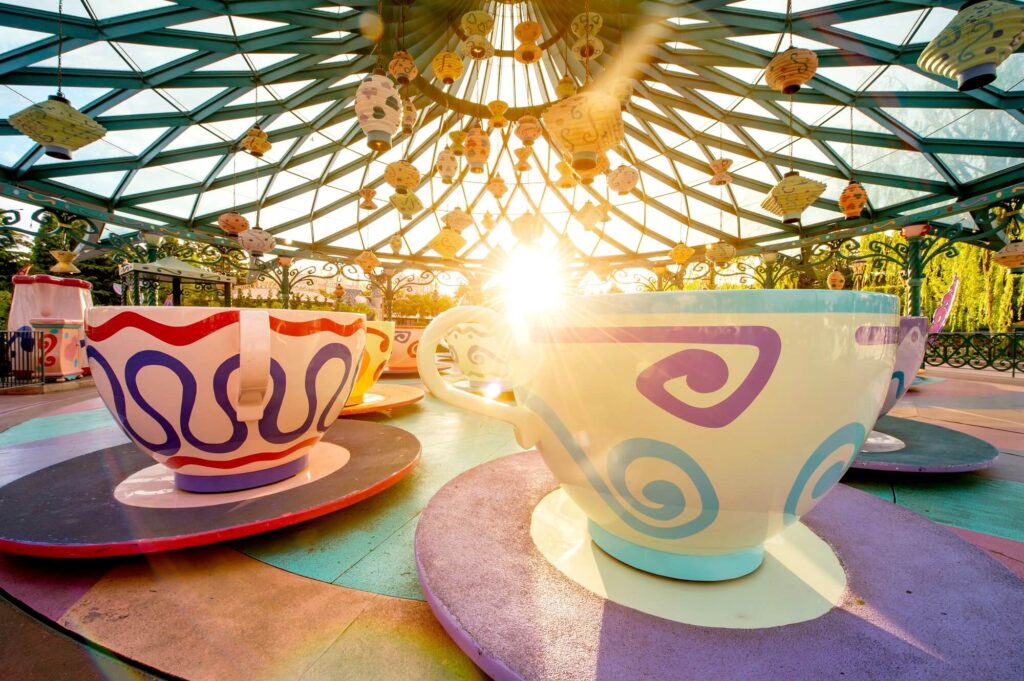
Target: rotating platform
(910,446)
(919,602)
(114,501)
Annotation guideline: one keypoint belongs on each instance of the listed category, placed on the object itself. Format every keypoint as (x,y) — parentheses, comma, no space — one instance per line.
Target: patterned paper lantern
(379,110)
(522,159)
(408,116)
(528,129)
(681,253)
(623,179)
(588,48)
(528,53)
(527,228)
(587,175)
(917,229)
(497,187)
(406,204)
(403,67)
(791,197)
(367,261)
(787,71)
(402,175)
(528,33)
(836,281)
(256,141)
(769,257)
(488,221)
(285,260)
(589,216)
(584,125)
(458,139)
(396,244)
(446,165)
(566,87)
(367,194)
(720,170)
(232,223)
(566,177)
(586,23)
(852,200)
(476,47)
(65,262)
(478,148)
(447,67)
(1011,255)
(57,126)
(256,241)
(447,243)
(498,108)
(477,22)
(978,39)
(720,252)
(458,220)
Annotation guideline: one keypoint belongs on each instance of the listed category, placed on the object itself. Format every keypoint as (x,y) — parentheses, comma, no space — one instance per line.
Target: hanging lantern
(446,165)
(566,178)
(787,71)
(791,197)
(681,253)
(447,243)
(64,264)
(458,139)
(367,261)
(587,175)
(836,281)
(477,22)
(770,257)
(478,148)
(720,252)
(852,200)
(978,39)
(256,141)
(527,228)
(447,67)
(488,221)
(589,216)
(527,33)
(720,170)
(528,53)
(232,223)
(918,229)
(402,175)
(57,126)
(256,241)
(458,220)
(396,244)
(566,87)
(379,110)
(859,267)
(406,204)
(367,194)
(408,116)
(623,179)
(588,48)
(498,108)
(584,125)
(497,187)
(523,159)
(476,47)
(403,67)
(285,260)
(528,129)
(586,23)
(1011,255)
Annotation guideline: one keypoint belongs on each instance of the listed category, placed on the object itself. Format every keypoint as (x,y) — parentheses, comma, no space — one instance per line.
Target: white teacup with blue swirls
(691,427)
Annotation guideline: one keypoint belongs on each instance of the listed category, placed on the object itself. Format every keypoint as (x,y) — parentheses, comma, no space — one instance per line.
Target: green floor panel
(971,502)
(46,427)
(390,568)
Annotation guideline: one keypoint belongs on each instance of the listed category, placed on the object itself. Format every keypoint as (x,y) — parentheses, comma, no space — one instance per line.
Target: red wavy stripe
(314,326)
(176,462)
(172,335)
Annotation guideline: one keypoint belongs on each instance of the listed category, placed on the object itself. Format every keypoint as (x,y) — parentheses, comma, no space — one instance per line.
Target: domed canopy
(177,85)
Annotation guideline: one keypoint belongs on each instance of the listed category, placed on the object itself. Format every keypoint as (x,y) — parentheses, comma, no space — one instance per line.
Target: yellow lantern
(587,175)
(367,194)
(566,177)
(256,141)
(527,228)
(623,179)
(396,244)
(527,31)
(448,243)
(367,261)
(528,53)
(403,67)
(681,253)
(589,215)
(836,281)
(488,221)
(476,47)
(458,220)
(498,108)
(232,223)
(477,22)
(584,125)
(408,116)
(497,187)
(978,39)
(588,48)
(57,126)
(446,165)
(791,197)
(378,109)
(528,129)
(720,252)
(402,175)
(406,204)
(523,159)
(720,168)
(566,87)
(64,264)
(478,148)
(853,200)
(458,139)
(1011,255)
(447,67)
(787,71)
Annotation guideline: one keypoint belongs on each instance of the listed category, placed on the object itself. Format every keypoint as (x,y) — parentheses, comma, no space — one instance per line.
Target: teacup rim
(746,301)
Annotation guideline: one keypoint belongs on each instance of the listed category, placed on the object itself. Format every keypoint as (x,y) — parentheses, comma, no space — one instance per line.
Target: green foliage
(12,259)
(5,307)
(421,304)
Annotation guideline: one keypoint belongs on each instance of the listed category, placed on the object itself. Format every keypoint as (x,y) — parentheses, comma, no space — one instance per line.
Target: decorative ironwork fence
(21,359)
(999,351)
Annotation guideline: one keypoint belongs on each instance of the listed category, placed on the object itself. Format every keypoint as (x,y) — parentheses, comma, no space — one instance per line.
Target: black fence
(999,351)
(21,358)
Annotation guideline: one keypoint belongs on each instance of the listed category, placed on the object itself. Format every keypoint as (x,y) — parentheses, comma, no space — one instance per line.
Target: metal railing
(980,350)
(21,358)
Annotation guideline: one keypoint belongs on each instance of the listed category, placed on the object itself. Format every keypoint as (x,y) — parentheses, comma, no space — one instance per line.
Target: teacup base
(696,568)
(213,484)
(880,442)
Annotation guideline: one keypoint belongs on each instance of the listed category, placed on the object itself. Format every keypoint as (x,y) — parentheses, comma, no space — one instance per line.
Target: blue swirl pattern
(851,434)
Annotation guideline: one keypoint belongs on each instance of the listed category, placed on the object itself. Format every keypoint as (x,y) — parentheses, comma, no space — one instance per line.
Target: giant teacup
(226,398)
(691,427)
(911,345)
(407,345)
(380,339)
(481,353)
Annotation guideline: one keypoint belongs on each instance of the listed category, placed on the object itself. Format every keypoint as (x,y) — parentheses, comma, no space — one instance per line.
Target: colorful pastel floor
(338,597)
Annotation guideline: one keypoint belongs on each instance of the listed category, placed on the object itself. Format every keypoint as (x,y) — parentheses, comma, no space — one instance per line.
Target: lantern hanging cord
(586,23)
(60,48)
(852,164)
(789,21)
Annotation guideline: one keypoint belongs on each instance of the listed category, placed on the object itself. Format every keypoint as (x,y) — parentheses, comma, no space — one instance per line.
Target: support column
(915,272)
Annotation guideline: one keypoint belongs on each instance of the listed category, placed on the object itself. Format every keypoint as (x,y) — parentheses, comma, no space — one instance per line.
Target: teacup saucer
(924,448)
(385,396)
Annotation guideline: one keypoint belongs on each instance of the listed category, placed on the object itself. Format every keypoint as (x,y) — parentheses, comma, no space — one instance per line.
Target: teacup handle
(525,422)
(254,363)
